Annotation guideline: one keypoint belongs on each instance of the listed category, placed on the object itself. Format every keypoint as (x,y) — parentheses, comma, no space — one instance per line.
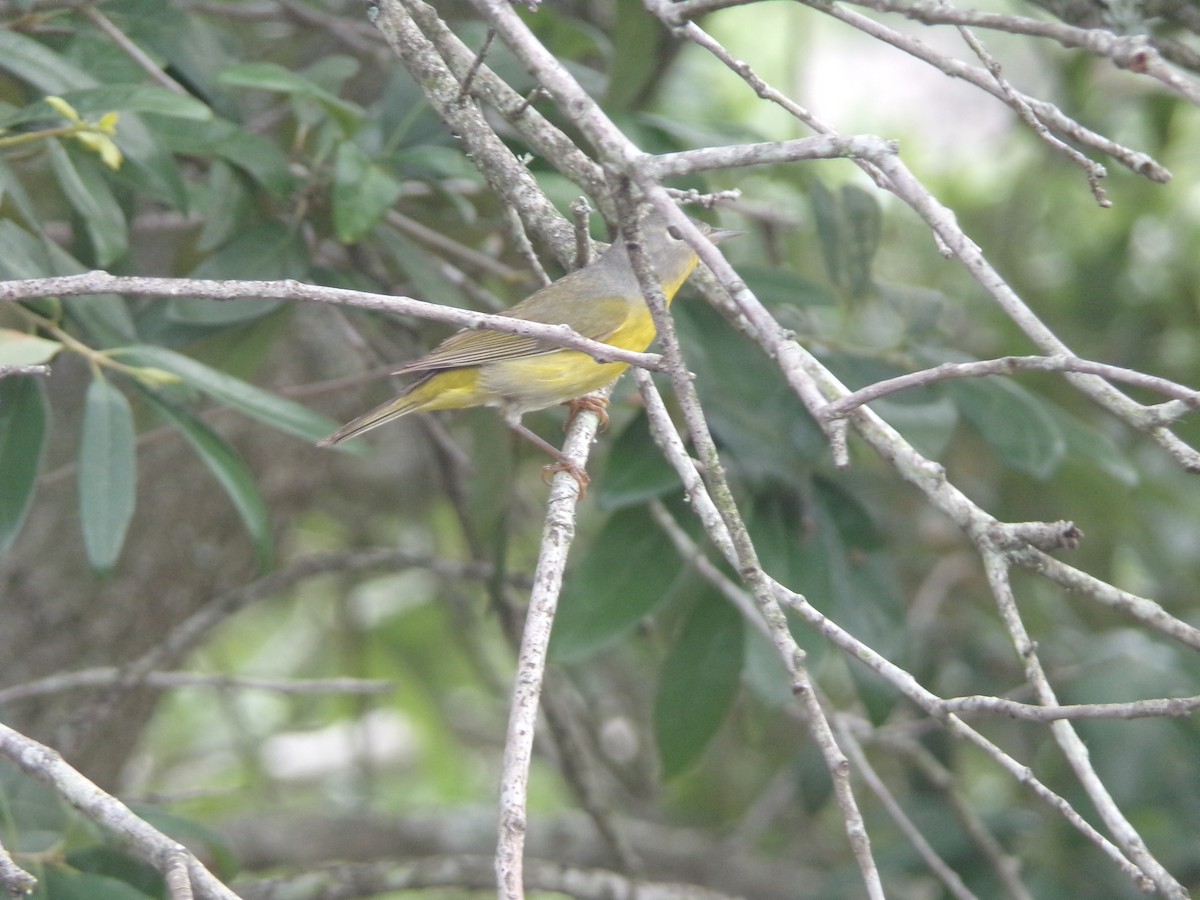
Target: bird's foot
(588,403)
(577,472)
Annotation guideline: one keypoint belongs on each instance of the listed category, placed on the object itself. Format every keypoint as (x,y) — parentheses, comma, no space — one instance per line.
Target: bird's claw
(577,472)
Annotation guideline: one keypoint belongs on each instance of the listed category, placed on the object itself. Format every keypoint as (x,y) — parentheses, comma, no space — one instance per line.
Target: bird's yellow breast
(537,382)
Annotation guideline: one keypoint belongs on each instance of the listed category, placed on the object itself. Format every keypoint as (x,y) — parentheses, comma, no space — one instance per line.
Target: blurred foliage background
(165,469)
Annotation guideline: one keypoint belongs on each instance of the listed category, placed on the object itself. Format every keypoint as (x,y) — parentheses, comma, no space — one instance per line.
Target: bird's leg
(587,403)
(564,464)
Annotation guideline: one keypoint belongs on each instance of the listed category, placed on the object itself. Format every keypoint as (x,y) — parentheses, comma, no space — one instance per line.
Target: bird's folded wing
(594,318)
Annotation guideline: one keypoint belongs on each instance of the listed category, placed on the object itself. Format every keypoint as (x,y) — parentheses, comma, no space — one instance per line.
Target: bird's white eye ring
(673,231)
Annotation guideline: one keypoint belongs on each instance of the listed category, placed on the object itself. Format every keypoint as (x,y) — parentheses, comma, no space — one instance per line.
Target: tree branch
(91,283)
(167,856)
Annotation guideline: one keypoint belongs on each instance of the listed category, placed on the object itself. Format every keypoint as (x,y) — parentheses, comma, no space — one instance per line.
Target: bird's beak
(720,234)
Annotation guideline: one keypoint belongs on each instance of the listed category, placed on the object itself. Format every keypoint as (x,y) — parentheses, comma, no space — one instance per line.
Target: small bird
(601,301)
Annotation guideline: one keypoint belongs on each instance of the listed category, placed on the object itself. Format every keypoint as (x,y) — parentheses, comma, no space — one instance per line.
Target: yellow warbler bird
(601,301)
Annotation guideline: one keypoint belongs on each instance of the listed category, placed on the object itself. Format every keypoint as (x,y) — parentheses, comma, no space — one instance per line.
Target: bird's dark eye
(673,231)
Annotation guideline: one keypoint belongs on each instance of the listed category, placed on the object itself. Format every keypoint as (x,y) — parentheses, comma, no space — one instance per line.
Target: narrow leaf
(92,198)
(24,421)
(362,193)
(273,77)
(252,153)
(107,473)
(271,409)
(863,229)
(830,235)
(137,98)
(36,64)
(229,470)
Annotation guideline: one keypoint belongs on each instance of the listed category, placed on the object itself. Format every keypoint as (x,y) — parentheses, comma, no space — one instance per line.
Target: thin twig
(103,676)
(557,534)
(745,557)
(95,283)
(465,872)
(1021,107)
(1050,114)
(997,568)
(10,371)
(1168,707)
(132,50)
(13,879)
(1008,365)
(1128,51)
(1006,866)
(581,212)
(937,865)
(464,89)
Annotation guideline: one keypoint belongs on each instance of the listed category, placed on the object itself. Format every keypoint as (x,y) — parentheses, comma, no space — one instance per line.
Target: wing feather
(596,318)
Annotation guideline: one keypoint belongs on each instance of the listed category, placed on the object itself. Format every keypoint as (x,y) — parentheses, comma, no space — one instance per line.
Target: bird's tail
(410,400)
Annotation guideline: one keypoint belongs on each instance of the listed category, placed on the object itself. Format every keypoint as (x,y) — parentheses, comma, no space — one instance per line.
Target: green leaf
(271,409)
(643,47)
(777,287)
(848,515)
(229,470)
(107,473)
(225,203)
(929,427)
(149,165)
(25,255)
(362,193)
(138,98)
(635,470)
(772,436)
(420,267)
(20,349)
(110,862)
(1094,446)
(35,64)
(104,318)
(24,422)
(431,162)
(12,189)
(698,683)
(252,153)
(267,251)
(849,227)
(205,841)
(272,77)
(91,197)
(92,103)
(1012,421)
(628,571)
(863,229)
(62,883)
(827,217)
